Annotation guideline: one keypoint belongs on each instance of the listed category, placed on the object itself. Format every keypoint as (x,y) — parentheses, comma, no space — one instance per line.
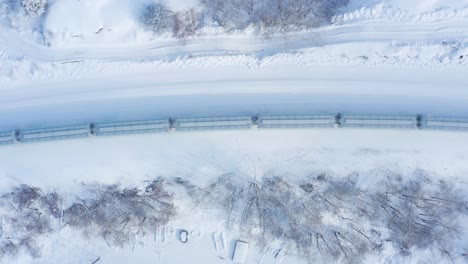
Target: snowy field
(296,196)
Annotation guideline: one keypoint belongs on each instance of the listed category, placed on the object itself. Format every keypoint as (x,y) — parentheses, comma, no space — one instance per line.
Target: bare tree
(34,8)
(282,15)
(120,214)
(275,209)
(421,214)
(157,17)
(26,214)
(330,219)
(186,23)
(322,218)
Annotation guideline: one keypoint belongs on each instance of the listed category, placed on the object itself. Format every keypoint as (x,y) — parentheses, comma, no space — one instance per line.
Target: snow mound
(427,5)
(100,22)
(390,13)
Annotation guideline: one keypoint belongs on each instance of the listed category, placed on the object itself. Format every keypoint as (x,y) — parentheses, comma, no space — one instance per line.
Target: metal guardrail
(131,127)
(296,121)
(235,122)
(379,121)
(213,123)
(55,133)
(444,123)
(7,138)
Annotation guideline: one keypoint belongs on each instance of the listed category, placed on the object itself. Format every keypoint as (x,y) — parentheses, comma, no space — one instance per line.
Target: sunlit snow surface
(201,158)
(379,57)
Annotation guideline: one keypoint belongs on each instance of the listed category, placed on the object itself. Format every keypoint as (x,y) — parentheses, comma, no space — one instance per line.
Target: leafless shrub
(421,214)
(267,16)
(157,17)
(324,219)
(283,15)
(120,214)
(8,249)
(116,214)
(34,8)
(186,23)
(26,214)
(331,219)
(277,210)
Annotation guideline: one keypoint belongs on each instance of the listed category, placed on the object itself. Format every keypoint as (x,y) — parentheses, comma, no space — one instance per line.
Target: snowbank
(100,22)
(427,5)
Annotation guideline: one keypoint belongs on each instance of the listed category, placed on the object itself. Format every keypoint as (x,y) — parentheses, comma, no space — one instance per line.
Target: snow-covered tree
(283,15)
(35,8)
(186,23)
(157,17)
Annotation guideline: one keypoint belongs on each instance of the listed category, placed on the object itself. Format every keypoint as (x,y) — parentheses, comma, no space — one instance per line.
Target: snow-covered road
(236,90)
(403,65)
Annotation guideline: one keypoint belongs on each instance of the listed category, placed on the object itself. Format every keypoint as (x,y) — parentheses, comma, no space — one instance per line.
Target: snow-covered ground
(93,61)
(201,157)
(235,90)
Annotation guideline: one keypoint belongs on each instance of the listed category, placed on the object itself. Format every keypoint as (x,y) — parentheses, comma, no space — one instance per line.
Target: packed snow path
(13,44)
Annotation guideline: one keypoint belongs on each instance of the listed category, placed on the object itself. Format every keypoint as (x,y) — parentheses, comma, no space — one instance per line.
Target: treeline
(283,15)
(32,8)
(262,15)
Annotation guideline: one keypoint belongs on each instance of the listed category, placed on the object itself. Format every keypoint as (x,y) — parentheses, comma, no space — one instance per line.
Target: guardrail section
(131,127)
(379,121)
(444,123)
(296,121)
(7,138)
(213,123)
(56,133)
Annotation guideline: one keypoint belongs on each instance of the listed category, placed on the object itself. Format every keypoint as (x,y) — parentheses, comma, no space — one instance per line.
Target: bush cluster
(264,15)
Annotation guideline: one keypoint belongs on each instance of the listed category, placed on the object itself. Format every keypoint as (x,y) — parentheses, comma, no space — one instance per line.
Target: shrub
(157,18)
(119,215)
(34,8)
(26,214)
(186,23)
(283,15)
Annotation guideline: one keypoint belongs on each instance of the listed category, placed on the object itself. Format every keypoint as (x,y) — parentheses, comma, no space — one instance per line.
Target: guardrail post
(17,136)
(419,121)
(92,129)
(337,120)
(254,122)
(172,124)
